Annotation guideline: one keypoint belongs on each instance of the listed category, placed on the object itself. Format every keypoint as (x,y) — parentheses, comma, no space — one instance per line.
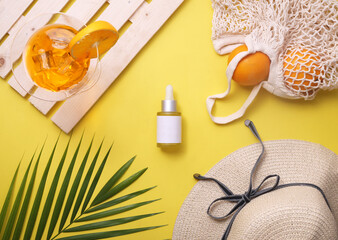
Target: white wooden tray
(146,19)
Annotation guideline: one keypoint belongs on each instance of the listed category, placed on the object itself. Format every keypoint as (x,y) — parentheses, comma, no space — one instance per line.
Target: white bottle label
(169,129)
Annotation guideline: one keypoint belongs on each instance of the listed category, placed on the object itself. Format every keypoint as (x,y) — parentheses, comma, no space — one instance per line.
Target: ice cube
(43,60)
(71,70)
(60,37)
(64,63)
(75,71)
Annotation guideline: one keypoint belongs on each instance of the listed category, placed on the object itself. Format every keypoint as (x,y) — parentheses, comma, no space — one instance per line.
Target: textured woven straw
(300,38)
(296,212)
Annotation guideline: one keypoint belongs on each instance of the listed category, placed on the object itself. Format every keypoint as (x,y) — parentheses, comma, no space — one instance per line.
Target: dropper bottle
(169,122)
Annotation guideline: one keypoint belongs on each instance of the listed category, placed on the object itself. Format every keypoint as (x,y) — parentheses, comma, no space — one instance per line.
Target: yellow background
(181,54)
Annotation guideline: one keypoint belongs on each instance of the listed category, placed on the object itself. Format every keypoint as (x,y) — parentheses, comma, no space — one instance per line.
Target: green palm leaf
(50,197)
(118,188)
(112,181)
(114,211)
(96,178)
(101,235)
(72,193)
(62,193)
(38,197)
(118,200)
(109,223)
(16,205)
(85,183)
(24,208)
(8,198)
(79,186)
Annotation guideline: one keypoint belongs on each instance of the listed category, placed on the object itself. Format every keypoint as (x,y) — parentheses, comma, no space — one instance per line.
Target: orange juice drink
(48,60)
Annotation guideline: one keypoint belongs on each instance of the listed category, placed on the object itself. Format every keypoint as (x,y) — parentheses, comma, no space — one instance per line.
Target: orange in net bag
(302,72)
(299,37)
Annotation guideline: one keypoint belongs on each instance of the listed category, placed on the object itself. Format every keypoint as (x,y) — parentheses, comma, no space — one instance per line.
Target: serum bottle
(169,122)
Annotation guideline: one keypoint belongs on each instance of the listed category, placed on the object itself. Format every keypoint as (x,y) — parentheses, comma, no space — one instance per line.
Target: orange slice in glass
(100,33)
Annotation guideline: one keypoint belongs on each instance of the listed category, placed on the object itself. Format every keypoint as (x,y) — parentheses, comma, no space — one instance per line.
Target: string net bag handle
(212,99)
(299,37)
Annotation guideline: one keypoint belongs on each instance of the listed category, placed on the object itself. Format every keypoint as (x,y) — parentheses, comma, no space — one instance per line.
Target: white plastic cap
(169,104)
(169,93)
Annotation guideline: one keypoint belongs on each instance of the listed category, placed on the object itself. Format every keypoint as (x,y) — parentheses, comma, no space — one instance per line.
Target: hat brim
(294,161)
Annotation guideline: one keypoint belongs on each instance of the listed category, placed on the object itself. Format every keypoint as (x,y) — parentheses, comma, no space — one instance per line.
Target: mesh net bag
(299,36)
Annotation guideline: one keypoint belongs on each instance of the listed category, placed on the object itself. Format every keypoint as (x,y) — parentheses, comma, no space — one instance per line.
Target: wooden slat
(84,10)
(145,26)
(10,11)
(117,13)
(24,80)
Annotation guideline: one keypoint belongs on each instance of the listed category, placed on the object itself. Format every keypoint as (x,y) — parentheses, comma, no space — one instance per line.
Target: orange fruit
(252,69)
(100,33)
(301,71)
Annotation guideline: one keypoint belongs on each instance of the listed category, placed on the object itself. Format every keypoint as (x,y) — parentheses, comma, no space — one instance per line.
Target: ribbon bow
(242,199)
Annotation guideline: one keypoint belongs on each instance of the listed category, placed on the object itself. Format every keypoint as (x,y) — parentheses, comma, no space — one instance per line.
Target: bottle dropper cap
(169,104)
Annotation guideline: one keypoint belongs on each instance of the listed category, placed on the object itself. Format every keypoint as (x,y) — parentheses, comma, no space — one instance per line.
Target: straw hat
(303,206)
